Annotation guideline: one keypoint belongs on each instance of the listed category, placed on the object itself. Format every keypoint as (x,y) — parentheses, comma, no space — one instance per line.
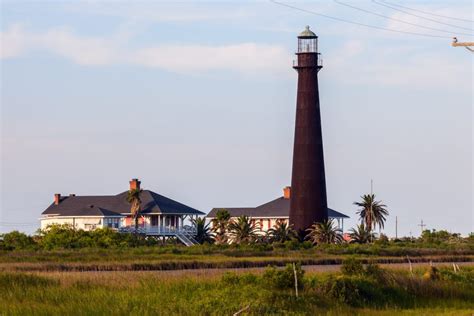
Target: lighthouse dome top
(307,33)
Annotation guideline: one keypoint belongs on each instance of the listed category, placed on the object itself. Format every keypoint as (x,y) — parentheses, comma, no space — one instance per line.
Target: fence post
(296,279)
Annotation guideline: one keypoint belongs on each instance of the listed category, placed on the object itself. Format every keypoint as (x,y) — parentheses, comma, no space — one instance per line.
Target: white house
(266,215)
(159,216)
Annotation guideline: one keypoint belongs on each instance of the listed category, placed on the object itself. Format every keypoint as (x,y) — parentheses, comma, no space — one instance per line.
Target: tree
(219,226)
(243,230)
(133,197)
(281,232)
(203,232)
(372,212)
(15,240)
(324,233)
(361,234)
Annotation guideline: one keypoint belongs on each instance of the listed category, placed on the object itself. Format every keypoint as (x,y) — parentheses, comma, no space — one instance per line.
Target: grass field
(203,257)
(223,279)
(211,292)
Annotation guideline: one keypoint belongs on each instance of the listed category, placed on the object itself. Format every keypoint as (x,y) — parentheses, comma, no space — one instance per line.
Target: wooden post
(411,268)
(296,279)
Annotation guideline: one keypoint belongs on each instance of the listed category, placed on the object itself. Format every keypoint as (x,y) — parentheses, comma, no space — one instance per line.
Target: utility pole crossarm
(454,44)
(467,45)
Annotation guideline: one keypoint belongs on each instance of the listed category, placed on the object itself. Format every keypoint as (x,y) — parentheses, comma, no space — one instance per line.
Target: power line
(18,225)
(429,13)
(356,23)
(421,17)
(6,224)
(398,20)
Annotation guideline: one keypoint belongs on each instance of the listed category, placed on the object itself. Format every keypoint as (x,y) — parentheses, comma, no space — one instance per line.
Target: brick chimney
(134,184)
(57,198)
(286,193)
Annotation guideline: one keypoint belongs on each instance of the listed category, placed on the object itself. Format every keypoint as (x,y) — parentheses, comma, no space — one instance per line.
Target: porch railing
(159,230)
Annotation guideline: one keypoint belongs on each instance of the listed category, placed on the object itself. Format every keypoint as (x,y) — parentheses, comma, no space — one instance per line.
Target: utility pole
(396,227)
(422,226)
(468,45)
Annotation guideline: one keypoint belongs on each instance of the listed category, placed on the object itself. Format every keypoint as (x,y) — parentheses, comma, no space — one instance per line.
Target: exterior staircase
(186,239)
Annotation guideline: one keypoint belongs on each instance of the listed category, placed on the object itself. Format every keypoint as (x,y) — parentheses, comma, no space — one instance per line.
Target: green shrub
(284,278)
(431,274)
(17,241)
(382,240)
(343,289)
(465,276)
(352,266)
(231,278)
(374,271)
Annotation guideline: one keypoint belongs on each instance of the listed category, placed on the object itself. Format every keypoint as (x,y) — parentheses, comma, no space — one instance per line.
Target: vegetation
(324,233)
(203,232)
(361,234)
(243,230)
(16,241)
(64,237)
(281,232)
(220,223)
(133,197)
(372,212)
(366,290)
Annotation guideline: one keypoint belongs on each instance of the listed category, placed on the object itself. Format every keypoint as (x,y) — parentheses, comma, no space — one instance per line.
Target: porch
(159,225)
(159,230)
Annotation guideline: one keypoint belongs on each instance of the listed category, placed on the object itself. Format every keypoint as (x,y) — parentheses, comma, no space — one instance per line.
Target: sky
(197,100)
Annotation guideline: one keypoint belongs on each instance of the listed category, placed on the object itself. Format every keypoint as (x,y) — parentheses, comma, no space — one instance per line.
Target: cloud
(150,11)
(245,57)
(13,42)
(99,51)
(405,66)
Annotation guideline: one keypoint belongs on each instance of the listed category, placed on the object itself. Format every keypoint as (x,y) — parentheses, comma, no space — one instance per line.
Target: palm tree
(219,226)
(372,212)
(203,232)
(361,234)
(324,233)
(281,232)
(243,230)
(133,197)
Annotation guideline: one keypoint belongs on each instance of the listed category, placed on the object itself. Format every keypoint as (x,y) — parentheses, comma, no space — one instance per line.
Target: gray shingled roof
(113,205)
(279,207)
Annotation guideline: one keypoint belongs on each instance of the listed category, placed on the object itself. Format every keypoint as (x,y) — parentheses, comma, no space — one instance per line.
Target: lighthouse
(308,201)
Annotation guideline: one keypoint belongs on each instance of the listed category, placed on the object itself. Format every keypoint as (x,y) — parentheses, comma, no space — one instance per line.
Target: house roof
(279,207)
(115,205)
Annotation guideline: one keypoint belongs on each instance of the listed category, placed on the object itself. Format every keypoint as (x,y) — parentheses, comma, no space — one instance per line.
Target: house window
(108,222)
(154,220)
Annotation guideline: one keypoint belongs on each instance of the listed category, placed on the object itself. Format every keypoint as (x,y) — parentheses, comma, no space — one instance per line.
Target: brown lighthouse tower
(308,201)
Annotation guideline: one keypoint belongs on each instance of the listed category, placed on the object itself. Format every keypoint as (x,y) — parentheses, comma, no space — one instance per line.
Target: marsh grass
(211,293)
(175,258)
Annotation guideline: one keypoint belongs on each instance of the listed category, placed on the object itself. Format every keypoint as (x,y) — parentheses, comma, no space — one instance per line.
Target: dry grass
(206,292)
(196,262)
